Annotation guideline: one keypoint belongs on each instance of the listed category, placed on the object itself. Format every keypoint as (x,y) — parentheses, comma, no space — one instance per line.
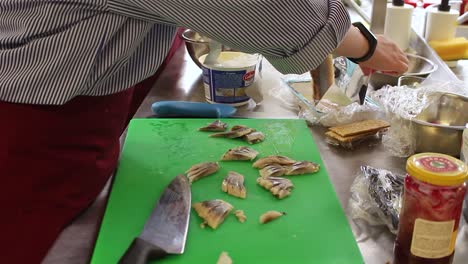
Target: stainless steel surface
(167,225)
(198,45)
(439,127)
(418,67)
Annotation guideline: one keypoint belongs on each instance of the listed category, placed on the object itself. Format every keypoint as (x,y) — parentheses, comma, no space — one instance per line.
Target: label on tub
(227,86)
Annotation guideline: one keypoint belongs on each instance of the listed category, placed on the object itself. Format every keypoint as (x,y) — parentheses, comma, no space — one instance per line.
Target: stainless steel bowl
(418,67)
(439,127)
(197,45)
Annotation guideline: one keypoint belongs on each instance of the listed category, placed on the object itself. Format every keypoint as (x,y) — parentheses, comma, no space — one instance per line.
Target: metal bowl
(197,45)
(418,67)
(439,127)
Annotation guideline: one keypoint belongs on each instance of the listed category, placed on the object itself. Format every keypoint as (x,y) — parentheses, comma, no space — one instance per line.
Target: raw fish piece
(279,187)
(224,258)
(213,211)
(270,216)
(234,133)
(236,127)
(302,167)
(240,153)
(240,216)
(201,170)
(276,159)
(254,137)
(273,170)
(216,126)
(233,184)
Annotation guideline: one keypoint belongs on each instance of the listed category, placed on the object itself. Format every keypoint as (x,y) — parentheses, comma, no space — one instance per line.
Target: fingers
(388,58)
(401,63)
(391,73)
(401,60)
(400,67)
(366,70)
(405,59)
(397,69)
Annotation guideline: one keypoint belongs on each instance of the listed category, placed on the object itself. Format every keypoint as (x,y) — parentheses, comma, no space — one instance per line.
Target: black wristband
(371,39)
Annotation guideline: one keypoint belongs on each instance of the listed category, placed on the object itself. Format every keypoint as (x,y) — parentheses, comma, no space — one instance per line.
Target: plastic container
(398,23)
(432,203)
(441,22)
(226,82)
(411,81)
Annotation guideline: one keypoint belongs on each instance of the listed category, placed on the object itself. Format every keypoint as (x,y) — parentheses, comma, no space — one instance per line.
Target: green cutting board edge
(315,229)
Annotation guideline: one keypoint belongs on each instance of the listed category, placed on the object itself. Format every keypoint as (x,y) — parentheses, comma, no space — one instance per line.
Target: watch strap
(371,39)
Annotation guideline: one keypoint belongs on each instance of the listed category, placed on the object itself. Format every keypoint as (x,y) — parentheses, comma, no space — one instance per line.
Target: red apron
(54,161)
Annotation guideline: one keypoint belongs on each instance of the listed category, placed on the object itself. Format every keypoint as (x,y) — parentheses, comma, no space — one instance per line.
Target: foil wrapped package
(376,197)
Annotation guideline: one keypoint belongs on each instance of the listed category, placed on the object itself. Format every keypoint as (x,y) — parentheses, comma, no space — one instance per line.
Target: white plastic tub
(226,82)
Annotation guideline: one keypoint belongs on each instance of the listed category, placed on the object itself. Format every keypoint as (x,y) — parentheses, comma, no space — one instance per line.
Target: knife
(166,229)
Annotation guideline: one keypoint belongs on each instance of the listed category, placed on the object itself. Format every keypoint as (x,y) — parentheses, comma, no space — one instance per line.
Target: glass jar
(432,203)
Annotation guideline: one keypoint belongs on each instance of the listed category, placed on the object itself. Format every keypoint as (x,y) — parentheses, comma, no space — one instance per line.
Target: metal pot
(439,127)
(198,45)
(418,67)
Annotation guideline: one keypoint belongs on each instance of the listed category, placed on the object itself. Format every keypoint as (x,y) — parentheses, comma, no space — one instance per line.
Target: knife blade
(165,231)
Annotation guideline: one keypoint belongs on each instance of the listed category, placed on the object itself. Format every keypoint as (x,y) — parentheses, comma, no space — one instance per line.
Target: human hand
(387,58)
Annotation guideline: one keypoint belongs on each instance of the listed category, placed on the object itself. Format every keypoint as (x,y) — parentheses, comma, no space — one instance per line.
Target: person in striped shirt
(73,72)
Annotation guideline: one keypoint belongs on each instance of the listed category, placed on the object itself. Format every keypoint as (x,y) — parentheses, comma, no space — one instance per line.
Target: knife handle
(140,252)
(192,109)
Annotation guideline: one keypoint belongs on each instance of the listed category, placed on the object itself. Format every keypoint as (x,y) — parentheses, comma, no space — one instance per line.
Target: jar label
(438,164)
(432,239)
(227,86)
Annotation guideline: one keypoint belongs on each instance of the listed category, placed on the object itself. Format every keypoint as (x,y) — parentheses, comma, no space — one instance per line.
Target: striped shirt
(52,51)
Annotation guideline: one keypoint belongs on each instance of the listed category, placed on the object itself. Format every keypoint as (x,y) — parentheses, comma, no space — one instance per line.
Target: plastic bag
(339,105)
(351,113)
(272,84)
(376,197)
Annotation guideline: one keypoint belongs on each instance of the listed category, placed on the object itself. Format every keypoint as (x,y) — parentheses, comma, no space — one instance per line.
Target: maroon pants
(54,161)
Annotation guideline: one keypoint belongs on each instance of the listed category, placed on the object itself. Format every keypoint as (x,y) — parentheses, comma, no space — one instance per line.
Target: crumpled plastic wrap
(347,114)
(341,103)
(401,104)
(271,84)
(369,140)
(376,197)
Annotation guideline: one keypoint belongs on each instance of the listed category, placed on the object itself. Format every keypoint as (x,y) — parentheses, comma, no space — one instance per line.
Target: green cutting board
(315,229)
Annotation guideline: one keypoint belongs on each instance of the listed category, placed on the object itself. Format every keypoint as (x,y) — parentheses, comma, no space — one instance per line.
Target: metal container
(198,45)
(418,67)
(439,127)
(410,81)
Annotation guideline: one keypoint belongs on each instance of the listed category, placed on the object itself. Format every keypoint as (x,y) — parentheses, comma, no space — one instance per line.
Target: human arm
(295,36)
(386,58)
